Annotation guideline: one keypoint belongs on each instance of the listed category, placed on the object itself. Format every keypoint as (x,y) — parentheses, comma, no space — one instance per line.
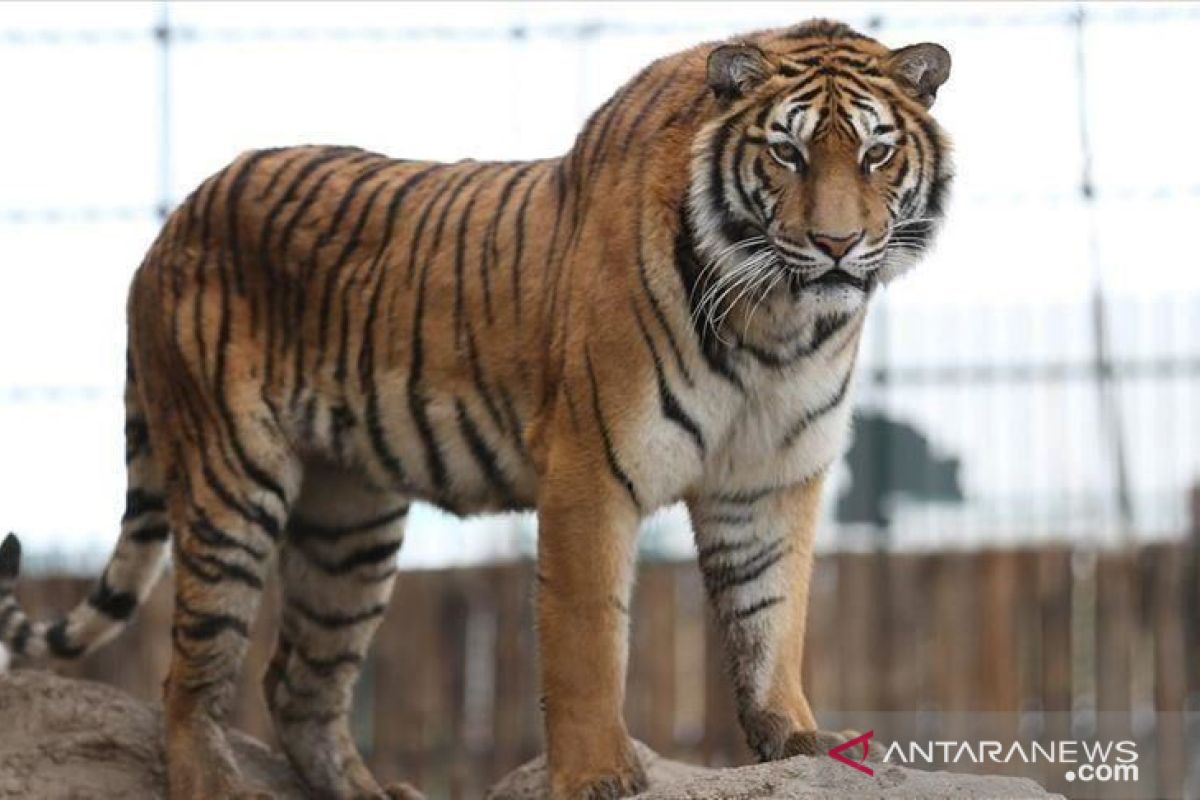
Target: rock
(63,738)
(799,778)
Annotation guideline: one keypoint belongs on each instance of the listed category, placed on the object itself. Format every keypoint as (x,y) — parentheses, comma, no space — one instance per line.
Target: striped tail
(131,572)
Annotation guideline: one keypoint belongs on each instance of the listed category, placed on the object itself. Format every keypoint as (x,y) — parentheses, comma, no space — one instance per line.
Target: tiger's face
(824,175)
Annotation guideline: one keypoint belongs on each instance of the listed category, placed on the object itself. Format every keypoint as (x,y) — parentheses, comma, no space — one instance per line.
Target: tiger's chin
(821,301)
(836,291)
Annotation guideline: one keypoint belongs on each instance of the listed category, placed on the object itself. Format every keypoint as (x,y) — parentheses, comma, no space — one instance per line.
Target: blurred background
(1015,527)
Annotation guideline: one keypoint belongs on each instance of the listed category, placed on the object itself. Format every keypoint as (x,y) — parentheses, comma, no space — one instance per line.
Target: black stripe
(334,271)
(826,326)
(483,454)
(515,429)
(655,305)
(716,159)
(10,557)
(310,197)
(519,249)
(334,619)
(366,357)
(209,626)
(292,297)
(139,502)
(230,430)
(746,612)
(137,438)
(812,416)
(343,206)
(200,274)
(252,512)
(151,534)
(742,496)
(417,401)
(266,267)
(671,407)
(610,455)
(212,570)
(303,292)
(449,188)
(687,264)
(302,529)
(550,276)
(721,547)
(21,638)
(236,188)
(735,167)
(823,329)
(650,103)
(480,382)
(277,174)
(113,604)
(728,576)
(326,666)
(460,259)
(661,317)
(610,111)
(372,554)
(489,254)
(209,534)
(57,641)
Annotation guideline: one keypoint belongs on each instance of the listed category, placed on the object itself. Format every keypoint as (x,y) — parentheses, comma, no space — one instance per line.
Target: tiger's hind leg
(337,568)
(228,504)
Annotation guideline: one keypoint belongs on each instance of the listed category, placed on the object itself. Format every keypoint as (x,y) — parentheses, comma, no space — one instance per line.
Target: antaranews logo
(1086,760)
(864,739)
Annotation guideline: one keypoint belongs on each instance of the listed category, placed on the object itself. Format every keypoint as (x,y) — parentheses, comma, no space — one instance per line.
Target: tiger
(320,336)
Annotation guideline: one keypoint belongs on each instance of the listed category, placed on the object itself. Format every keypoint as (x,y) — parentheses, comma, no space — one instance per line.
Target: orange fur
(321,335)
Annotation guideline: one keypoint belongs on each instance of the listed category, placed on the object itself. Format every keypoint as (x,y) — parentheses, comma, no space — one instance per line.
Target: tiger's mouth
(836,278)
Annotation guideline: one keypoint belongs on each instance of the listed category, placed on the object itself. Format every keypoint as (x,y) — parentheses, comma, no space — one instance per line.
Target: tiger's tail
(131,572)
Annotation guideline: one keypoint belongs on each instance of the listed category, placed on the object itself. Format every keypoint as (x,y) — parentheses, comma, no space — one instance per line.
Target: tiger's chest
(791,423)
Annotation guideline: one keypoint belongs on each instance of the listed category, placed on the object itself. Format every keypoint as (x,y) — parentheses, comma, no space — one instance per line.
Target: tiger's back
(371,303)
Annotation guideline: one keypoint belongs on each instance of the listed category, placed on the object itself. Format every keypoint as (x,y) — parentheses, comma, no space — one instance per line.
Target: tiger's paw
(813,743)
(608,787)
(627,778)
(772,737)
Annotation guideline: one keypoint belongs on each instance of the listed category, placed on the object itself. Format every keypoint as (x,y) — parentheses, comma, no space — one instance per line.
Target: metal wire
(1104,372)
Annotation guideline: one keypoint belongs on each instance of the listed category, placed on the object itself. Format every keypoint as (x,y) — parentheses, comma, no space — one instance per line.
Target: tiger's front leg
(586,530)
(756,555)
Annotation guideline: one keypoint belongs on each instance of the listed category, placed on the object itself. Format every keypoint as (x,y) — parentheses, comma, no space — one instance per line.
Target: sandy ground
(61,738)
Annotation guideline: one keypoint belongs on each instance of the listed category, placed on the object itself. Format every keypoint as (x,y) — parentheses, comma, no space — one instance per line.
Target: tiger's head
(823,172)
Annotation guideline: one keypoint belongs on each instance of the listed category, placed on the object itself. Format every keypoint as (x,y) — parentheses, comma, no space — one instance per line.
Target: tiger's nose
(835,246)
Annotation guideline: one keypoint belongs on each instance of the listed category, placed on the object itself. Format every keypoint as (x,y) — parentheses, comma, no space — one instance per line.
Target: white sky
(1009,283)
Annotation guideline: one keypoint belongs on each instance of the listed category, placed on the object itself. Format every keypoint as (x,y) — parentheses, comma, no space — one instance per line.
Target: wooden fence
(449,696)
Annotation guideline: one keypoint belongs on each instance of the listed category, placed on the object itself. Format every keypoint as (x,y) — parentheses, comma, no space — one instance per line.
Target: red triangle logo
(863,739)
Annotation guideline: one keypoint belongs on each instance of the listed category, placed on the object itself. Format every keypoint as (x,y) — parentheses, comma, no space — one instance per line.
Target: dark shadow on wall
(889,459)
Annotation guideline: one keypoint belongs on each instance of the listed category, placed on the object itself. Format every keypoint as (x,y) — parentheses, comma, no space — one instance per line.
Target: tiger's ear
(919,69)
(734,69)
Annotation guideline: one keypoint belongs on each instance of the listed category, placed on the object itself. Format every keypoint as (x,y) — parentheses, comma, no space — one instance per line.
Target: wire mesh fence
(1038,379)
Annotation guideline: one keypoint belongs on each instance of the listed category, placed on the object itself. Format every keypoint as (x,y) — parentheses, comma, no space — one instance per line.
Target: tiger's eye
(876,154)
(788,153)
